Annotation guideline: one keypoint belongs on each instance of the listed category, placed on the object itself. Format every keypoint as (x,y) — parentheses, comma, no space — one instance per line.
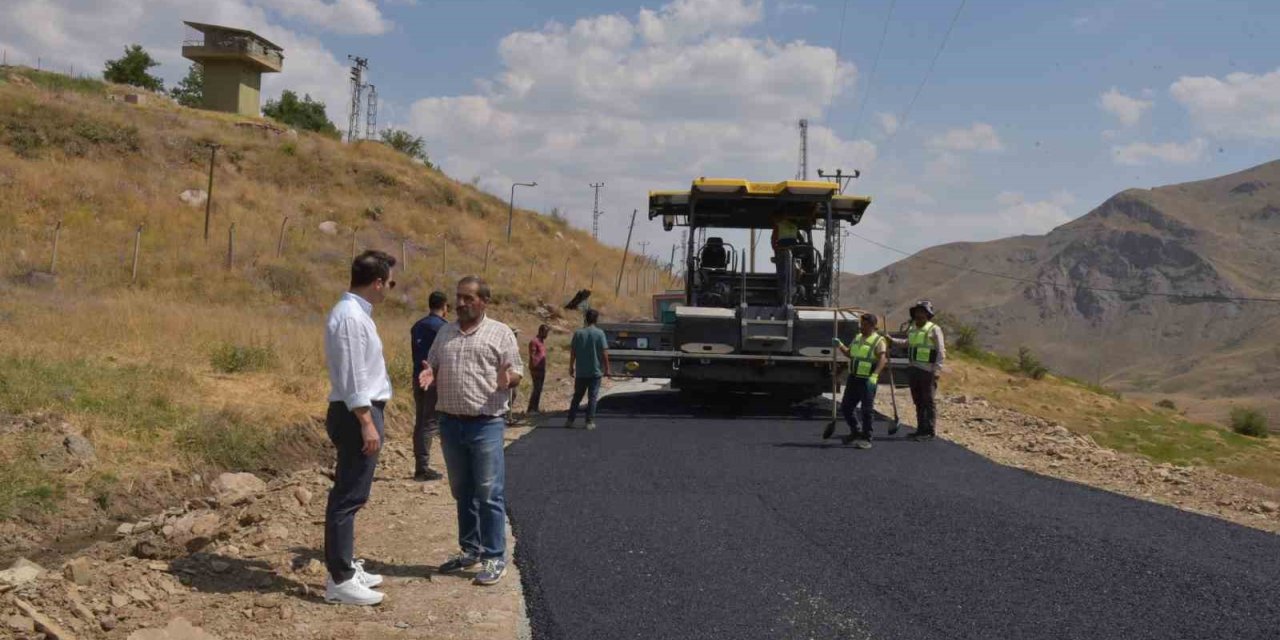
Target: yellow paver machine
(735,330)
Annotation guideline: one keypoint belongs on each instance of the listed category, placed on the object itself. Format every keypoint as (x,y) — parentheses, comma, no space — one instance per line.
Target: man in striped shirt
(475,364)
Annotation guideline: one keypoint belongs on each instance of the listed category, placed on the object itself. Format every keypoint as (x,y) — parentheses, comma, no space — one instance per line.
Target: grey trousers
(352,480)
(426,424)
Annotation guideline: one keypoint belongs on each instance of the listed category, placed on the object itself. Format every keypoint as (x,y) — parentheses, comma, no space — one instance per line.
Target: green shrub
(1248,421)
(287,281)
(1167,404)
(226,440)
(236,358)
(1030,365)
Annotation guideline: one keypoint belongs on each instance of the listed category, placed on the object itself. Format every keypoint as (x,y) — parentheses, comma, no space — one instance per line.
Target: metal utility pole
(208,200)
(511,204)
(644,249)
(618,287)
(803,172)
(371,114)
(357,88)
(595,212)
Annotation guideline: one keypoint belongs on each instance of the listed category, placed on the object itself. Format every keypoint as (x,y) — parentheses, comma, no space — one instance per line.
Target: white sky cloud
(888,122)
(978,137)
(1017,215)
(1239,106)
(340,16)
(643,102)
(786,6)
(85,33)
(1141,153)
(1128,110)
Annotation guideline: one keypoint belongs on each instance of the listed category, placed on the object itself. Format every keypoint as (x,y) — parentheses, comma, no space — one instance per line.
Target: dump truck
(733,329)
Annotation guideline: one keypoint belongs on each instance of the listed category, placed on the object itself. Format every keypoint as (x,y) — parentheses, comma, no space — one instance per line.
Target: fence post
(444,258)
(280,243)
(137,250)
(354,232)
(231,245)
(53,258)
(593,275)
(487,246)
(404,256)
(529,283)
(564,275)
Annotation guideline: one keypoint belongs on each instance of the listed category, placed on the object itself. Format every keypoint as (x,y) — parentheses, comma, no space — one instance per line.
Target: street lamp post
(511,204)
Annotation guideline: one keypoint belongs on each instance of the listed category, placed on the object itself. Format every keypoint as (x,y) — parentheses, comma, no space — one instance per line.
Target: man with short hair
(475,362)
(926,351)
(867,358)
(359,391)
(588,364)
(538,367)
(426,423)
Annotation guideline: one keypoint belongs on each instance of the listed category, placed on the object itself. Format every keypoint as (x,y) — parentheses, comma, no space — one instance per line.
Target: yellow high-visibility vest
(921,346)
(862,350)
(788,229)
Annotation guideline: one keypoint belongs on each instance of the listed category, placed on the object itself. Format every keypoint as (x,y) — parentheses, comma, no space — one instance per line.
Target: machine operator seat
(714,255)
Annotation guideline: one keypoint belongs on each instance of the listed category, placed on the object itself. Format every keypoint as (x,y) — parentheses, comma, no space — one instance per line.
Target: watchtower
(233,61)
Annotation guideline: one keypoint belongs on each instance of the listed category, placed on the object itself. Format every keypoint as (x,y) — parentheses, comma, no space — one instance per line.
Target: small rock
(177,629)
(302,495)
(21,623)
(194,198)
(78,571)
(146,550)
(961,399)
(120,600)
(286,613)
(142,526)
(328,227)
(402,625)
(52,630)
(267,601)
(314,567)
(219,566)
(108,622)
(205,525)
(276,532)
(234,488)
(79,447)
(20,572)
(139,595)
(1269,506)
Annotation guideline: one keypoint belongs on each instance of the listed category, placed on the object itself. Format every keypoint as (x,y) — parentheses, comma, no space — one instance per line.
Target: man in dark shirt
(538,367)
(588,365)
(426,423)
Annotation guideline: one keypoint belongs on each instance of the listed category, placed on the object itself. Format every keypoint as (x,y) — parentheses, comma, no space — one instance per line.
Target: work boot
(591,425)
(920,437)
(427,475)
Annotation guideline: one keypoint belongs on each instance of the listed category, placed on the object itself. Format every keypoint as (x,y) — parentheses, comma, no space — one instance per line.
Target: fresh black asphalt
(663,524)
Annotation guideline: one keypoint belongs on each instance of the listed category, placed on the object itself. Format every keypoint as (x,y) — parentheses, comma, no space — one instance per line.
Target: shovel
(893,395)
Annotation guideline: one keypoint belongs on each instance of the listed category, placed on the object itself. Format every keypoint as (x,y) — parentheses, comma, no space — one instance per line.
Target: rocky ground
(245,563)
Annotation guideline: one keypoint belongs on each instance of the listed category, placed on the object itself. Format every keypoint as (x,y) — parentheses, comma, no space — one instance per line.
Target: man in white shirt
(360,389)
(475,363)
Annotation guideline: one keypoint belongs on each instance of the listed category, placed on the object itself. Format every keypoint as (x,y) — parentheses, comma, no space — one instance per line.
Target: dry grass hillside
(197,365)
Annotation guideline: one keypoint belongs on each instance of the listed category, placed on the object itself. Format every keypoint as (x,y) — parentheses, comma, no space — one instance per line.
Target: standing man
(926,352)
(360,389)
(538,367)
(426,424)
(588,364)
(475,362)
(867,356)
(786,234)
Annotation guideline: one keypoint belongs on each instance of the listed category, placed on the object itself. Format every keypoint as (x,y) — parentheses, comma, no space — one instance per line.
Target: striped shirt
(466,367)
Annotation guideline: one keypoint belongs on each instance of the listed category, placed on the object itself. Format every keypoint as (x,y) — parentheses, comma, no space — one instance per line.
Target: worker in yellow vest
(786,234)
(867,354)
(926,351)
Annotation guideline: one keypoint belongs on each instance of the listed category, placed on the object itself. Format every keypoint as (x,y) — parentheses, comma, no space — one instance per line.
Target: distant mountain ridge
(1216,237)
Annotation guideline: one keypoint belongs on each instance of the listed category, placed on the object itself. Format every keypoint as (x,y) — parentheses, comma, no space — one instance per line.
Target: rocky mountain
(1218,238)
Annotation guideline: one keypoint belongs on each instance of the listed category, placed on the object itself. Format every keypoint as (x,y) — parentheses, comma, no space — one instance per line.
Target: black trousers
(352,480)
(426,425)
(924,387)
(535,397)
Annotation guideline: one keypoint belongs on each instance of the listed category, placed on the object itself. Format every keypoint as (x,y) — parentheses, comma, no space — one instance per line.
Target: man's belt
(456,416)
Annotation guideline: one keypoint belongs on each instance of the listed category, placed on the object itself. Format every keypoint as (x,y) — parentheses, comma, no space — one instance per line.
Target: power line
(875,64)
(1127,292)
(906,113)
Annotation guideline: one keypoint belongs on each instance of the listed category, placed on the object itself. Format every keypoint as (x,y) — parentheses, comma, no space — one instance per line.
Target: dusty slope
(1214,237)
(114,393)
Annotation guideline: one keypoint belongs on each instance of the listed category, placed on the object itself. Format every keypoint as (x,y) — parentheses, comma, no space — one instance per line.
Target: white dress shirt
(353,353)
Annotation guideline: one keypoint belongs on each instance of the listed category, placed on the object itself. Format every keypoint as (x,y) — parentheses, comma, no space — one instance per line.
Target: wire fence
(51,64)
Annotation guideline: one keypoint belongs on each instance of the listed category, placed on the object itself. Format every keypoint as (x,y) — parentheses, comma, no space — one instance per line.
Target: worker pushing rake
(868,355)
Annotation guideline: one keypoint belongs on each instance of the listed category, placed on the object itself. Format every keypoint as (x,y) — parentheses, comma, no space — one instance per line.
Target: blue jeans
(590,387)
(477,478)
(858,392)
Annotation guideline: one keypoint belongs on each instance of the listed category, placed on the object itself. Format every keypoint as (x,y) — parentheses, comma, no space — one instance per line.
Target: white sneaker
(350,592)
(369,580)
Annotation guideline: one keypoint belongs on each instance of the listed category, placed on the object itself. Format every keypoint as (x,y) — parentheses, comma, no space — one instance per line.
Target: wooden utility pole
(231,246)
(53,258)
(618,287)
(208,200)
(280,243)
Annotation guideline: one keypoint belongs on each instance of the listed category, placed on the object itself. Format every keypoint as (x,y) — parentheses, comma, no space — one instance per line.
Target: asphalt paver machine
(733,329)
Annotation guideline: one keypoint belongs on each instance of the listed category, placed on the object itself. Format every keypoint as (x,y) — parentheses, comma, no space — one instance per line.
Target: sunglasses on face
(391,284)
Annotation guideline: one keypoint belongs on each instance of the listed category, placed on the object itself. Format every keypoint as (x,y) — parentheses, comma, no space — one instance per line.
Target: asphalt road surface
(668,522)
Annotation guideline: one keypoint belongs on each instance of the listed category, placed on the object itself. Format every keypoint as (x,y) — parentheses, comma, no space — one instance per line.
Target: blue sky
(1035,112)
